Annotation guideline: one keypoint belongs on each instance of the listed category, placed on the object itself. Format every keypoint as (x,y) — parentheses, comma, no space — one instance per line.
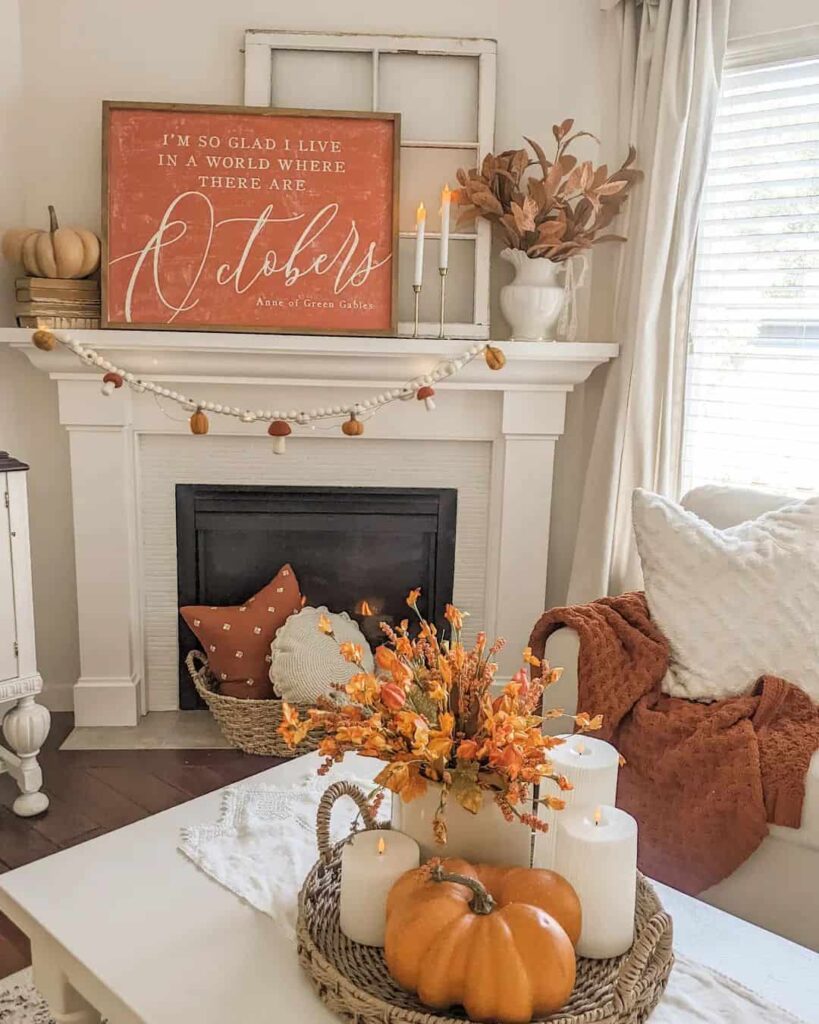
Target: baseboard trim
(106,701)
(57,696)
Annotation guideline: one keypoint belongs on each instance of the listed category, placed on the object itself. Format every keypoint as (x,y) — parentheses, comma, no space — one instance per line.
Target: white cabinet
(25,723)
(8,621)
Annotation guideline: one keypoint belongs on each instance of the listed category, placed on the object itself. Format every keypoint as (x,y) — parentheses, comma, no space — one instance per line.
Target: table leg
(65,1002)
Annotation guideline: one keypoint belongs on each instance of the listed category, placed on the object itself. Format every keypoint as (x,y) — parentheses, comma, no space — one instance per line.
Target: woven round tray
(352,980)
(250,725)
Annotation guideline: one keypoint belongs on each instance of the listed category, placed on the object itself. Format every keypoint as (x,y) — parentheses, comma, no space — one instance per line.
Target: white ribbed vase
(533,301)
(483,838)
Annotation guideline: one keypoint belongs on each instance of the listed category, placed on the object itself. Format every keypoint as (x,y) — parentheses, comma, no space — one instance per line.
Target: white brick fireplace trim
(520,411)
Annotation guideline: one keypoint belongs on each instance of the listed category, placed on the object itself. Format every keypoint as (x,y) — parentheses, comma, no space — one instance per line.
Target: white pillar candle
(596,852)
(446,203)
(420,228)
(371,863)
(591,766)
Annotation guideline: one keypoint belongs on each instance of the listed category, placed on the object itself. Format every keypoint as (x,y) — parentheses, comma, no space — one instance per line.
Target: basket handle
(325,809)
(195,661)
(654,939)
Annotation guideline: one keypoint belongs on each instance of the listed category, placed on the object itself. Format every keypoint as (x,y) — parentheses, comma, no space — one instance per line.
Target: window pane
(460,281)
(424,172)
(437,96)
(322,80)
(752,392)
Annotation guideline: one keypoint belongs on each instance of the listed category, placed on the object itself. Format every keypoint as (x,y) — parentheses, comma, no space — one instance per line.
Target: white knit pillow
(304,662)
(734,604)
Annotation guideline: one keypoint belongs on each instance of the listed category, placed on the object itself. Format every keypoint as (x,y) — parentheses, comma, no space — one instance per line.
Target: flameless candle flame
(598,816)
(381,847)
(420,213)
(581,747)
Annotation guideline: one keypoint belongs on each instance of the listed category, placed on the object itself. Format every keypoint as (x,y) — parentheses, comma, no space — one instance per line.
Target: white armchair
(778,886)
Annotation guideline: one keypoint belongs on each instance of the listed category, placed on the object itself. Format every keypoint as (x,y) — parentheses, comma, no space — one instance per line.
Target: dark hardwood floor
(96,791)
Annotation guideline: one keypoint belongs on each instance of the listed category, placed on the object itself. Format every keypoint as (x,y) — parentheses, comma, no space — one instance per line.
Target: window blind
(752,387)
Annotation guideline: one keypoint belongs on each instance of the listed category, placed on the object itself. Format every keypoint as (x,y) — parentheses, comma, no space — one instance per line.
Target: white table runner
(264,843)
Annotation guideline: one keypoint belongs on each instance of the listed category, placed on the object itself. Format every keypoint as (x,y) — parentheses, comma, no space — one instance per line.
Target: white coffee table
(125,926)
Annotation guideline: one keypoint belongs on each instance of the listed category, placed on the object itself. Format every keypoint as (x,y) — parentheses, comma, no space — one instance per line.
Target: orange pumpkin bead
(199,423)
(352,427)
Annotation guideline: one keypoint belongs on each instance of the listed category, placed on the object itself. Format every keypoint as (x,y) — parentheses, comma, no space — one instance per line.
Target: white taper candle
(371,863)
(596,852)
(420,228)
(591,766)
(446,204)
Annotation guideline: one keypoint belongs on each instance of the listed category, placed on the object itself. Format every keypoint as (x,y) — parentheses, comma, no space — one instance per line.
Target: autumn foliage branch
(428,712)
(556,213)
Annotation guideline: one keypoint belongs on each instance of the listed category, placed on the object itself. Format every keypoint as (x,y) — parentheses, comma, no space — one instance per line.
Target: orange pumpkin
(481,937)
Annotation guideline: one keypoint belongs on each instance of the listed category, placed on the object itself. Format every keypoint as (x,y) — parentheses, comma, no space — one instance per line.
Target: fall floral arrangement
(556,215)
(429,714)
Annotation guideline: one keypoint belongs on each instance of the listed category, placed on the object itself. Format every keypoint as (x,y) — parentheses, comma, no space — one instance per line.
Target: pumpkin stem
(482,901)
(52,215)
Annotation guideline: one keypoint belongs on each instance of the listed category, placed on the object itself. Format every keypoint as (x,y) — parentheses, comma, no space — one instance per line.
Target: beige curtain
(672,54)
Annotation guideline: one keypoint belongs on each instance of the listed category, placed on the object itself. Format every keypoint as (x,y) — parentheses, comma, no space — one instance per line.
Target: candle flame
(381,846)
(420,213)
(598,815)
(446,194)
(580,747)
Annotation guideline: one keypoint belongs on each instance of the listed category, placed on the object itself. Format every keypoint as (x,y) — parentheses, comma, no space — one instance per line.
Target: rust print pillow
(236,639)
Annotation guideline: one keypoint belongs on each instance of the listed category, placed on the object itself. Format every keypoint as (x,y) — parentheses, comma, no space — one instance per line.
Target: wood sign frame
(257,219)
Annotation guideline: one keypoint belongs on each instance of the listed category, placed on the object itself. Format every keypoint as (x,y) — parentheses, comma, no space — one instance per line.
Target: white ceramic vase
(482,838)
(533,301)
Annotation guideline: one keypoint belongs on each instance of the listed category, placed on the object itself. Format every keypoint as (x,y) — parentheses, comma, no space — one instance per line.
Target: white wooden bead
(293,414)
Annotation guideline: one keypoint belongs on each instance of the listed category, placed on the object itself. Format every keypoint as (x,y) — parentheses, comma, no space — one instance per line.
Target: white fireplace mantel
(519,411)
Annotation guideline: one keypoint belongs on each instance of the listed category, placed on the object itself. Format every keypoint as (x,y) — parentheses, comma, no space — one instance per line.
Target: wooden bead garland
(420,387)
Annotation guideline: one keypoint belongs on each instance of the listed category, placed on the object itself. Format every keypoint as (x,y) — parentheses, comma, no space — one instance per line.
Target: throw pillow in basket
(236,639)
(305,662)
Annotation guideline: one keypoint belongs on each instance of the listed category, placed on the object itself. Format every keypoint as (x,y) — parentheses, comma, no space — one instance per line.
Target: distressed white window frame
(260,46)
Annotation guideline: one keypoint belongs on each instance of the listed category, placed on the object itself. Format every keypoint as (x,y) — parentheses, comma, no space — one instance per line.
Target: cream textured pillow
(734,604)
(304,662)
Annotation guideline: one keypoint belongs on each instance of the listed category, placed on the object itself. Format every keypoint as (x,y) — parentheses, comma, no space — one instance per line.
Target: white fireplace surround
(493,433)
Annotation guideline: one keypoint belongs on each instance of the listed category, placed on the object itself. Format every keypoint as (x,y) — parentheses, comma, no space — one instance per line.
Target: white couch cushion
(735,603)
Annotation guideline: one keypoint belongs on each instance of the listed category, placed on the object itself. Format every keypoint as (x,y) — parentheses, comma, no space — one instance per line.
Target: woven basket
(250,725)
(352,980)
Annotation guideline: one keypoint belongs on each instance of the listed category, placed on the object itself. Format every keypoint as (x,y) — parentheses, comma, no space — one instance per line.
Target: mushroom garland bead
(279,430)
(426,395)
(111,382)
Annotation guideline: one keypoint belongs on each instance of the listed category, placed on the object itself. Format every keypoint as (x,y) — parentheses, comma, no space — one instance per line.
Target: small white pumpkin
(57,253)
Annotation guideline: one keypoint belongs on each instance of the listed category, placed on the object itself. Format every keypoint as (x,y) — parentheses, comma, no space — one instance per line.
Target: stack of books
(52,302)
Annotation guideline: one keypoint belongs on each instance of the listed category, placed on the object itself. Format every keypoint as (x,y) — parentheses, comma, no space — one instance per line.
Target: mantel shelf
(316,359)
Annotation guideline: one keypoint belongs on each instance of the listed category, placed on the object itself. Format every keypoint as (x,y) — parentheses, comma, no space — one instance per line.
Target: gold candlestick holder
(442,272)
(417,289)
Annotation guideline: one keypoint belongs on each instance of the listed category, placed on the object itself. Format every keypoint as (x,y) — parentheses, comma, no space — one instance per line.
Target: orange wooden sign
(249,219)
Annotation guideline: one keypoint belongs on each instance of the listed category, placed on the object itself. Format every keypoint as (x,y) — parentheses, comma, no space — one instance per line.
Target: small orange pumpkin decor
(199,423)
(44,340)
(352,427)
(501,922)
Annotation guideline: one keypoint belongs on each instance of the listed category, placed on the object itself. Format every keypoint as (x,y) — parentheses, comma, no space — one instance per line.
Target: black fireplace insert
(354,549)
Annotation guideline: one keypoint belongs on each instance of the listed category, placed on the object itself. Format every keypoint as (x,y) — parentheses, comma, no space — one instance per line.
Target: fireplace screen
(354,549)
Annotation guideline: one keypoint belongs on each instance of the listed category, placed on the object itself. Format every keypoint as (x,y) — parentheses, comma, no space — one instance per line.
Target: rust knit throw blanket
(702,780)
